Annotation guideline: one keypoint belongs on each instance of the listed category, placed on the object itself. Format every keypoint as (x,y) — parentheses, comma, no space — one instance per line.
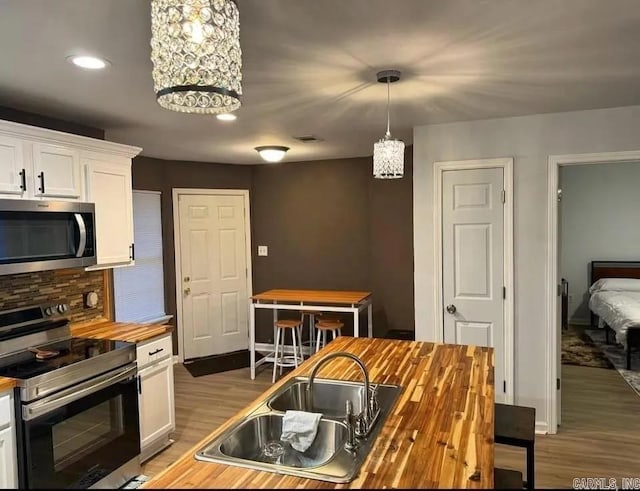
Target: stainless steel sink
(255,441)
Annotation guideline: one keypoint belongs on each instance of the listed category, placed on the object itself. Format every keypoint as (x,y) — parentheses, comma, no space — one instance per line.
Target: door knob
(187,291)
(187,279)
(451,309)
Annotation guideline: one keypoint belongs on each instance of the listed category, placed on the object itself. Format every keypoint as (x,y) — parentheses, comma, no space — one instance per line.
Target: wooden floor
(599,435)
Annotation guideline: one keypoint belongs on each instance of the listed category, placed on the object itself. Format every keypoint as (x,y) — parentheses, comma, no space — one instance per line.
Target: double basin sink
(254,442)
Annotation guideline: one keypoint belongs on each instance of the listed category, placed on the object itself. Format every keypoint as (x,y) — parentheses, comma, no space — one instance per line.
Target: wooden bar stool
(516,426)
(282,326)
(325,326)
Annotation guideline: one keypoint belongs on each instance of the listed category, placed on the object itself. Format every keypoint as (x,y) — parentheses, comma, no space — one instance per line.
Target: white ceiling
(309,68)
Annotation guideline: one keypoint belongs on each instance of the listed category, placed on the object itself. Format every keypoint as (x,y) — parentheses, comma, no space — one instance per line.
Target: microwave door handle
(82,241)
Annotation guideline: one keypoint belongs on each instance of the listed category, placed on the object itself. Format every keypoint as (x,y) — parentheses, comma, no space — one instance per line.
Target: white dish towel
(299,428)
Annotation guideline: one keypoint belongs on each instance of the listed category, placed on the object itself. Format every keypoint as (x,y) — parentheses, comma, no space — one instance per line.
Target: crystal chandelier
(195,50)
(388,153)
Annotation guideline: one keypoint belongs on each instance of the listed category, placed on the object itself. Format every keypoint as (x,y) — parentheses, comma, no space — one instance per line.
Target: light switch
(263,251)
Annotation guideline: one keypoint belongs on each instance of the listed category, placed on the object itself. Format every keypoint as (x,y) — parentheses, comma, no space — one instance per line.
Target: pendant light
(195,50)
(388,153)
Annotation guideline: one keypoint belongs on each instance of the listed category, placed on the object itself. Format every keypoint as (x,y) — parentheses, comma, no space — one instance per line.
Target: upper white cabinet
(41,164)
(56,171)
(12,168)
(108,185)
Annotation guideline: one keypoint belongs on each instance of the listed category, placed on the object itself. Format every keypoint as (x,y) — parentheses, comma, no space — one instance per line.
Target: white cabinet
(8,450)
(108,185)
(56,171)
(12,168)
(156,395)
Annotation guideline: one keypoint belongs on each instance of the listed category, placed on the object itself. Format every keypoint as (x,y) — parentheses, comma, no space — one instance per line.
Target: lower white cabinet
(8,450)
(156,395)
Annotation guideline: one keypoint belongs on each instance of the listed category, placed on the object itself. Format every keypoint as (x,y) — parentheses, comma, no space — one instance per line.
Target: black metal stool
(507,479)
(516,426)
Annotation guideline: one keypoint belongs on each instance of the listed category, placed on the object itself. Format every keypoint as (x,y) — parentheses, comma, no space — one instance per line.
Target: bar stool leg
(318,340)
(339,332)
(294,335)
(300,342)
(325,337)
(275,356)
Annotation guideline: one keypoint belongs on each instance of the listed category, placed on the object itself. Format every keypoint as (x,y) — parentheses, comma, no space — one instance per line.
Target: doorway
(213,271)
(474,260)
(554,286)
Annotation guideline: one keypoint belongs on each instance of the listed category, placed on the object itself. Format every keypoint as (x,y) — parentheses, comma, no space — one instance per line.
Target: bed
(615,301)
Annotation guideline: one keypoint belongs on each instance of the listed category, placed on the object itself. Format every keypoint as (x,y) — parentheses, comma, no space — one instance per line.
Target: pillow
(616,285)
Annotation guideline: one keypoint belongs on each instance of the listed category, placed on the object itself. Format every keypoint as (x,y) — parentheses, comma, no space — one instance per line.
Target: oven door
(75,439)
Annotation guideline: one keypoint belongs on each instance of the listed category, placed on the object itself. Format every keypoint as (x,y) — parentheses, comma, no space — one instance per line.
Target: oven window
(27,236)
(80,435)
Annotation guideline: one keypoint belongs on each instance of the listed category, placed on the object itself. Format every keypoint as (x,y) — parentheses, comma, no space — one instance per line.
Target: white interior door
(214,274)
(473,262)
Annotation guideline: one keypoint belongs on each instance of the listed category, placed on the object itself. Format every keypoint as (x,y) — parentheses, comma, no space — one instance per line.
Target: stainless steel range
(76,402)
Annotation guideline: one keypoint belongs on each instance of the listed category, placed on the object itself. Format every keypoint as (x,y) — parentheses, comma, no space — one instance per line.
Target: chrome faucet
(361,424)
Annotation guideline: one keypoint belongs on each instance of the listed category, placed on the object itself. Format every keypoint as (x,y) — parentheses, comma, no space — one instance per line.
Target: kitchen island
(439,434)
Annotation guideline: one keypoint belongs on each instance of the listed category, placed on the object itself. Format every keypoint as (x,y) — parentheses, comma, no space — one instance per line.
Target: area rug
(579,349)
(616,354)
(219,363)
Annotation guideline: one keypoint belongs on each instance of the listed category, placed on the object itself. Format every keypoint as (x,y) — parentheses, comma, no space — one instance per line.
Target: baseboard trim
(580,322)
(542,428)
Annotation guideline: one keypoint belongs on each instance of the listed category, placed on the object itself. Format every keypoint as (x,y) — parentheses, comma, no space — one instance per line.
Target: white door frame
(506,164)
(178,255)
(552,352)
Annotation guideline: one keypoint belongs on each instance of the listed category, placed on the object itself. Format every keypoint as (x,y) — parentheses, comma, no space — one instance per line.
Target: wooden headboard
(614,269)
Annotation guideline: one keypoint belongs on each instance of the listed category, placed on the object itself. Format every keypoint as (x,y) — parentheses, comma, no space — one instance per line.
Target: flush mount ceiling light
(226,117)
(388,153)
(272,153)
(88,62)
(195,50)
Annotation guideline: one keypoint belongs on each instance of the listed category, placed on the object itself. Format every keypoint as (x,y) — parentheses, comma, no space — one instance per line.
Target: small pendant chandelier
(195,50)
(388,153)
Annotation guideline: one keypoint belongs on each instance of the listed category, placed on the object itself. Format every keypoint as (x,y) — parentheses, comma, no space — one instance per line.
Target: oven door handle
(50,403)
(82,241)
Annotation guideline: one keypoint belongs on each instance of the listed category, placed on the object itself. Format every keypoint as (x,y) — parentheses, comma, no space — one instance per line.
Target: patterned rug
(616,354)
(579,349)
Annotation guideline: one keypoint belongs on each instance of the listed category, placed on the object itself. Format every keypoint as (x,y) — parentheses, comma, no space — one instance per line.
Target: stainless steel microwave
(43,235)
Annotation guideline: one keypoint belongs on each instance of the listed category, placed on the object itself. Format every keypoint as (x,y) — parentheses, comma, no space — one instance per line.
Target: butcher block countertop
(119,331)
(6,384)
(439,434)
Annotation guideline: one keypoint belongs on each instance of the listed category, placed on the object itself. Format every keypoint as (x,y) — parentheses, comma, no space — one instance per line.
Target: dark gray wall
(10,114)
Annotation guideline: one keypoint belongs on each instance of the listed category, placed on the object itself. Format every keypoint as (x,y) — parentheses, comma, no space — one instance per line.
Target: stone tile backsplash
(47,287)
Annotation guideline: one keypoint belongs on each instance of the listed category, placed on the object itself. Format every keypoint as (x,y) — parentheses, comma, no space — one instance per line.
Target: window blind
(139,289)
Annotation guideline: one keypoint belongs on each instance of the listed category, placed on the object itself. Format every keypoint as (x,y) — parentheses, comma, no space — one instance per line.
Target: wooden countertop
(7,384)
(313,296)
(438,435)
(119,331)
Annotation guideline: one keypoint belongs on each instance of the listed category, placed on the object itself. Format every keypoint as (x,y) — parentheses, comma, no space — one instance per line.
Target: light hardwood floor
(599,435)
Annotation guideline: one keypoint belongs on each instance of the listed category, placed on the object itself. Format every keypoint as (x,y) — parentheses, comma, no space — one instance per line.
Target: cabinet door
(8,474)
(56,172)
(157,411)
(12,168)
(109,187)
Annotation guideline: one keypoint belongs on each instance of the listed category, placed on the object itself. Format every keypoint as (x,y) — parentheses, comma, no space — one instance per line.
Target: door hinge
(504,196)
(557,384)
(504,386)
(504,292)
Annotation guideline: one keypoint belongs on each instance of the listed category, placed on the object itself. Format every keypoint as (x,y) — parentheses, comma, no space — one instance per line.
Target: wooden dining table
(351,302)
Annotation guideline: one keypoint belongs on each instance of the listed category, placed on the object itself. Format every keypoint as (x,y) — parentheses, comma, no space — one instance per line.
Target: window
(139,289)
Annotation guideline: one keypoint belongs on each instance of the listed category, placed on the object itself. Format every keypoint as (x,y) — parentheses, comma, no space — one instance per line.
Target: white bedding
(620,311)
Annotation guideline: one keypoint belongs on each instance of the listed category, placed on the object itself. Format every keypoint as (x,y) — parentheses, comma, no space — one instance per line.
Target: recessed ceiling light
(272,153)
(89,62)
(226,117)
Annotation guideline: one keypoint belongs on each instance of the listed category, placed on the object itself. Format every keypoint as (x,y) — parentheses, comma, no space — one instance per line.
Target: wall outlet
(263,251)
